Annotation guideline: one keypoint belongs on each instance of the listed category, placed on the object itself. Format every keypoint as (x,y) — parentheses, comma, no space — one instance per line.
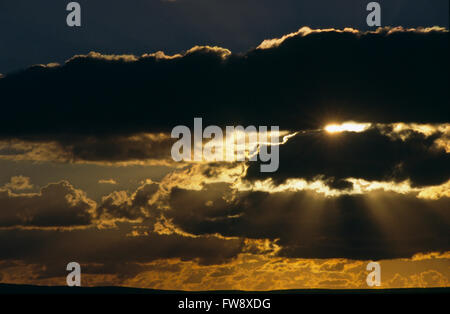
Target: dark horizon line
(6,288)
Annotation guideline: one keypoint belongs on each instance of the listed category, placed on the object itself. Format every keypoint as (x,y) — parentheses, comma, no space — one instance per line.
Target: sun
(349,126)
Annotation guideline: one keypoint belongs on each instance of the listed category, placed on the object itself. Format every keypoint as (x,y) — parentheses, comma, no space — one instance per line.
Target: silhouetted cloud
(374,155)
(137,148)
(375,225)
(302,82)
(110,247)
(119,109)
(119,205)
(56,205)
(19,183)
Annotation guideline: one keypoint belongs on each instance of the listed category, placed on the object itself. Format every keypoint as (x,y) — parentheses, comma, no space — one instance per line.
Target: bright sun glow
(347,126)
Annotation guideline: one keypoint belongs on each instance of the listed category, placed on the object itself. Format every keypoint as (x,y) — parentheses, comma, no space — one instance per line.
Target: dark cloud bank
(373,155)
(304,82)
(305,224)
(376,225)
(116,252)
(56,205)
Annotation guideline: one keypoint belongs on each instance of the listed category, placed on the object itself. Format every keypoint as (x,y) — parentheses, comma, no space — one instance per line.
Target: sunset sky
(86,172)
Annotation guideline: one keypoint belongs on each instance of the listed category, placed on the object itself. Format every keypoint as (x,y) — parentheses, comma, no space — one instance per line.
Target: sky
(87,174)
(35,32)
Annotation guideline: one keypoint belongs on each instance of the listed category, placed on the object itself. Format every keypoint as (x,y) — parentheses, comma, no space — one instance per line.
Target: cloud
(107,181)
(388,183)
(56,205)
(431,255)
(305,31)
(245,272)
(110,249)
(19,183)
(118,148)
(433,278)
(376,154)
(302,82)
(148,148)
(120,206)
(309,225)
(250,239)
(398,156)
(293,224)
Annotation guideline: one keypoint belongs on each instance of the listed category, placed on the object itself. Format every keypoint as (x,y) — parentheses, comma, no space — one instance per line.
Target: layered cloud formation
(300,81)
(374,189)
